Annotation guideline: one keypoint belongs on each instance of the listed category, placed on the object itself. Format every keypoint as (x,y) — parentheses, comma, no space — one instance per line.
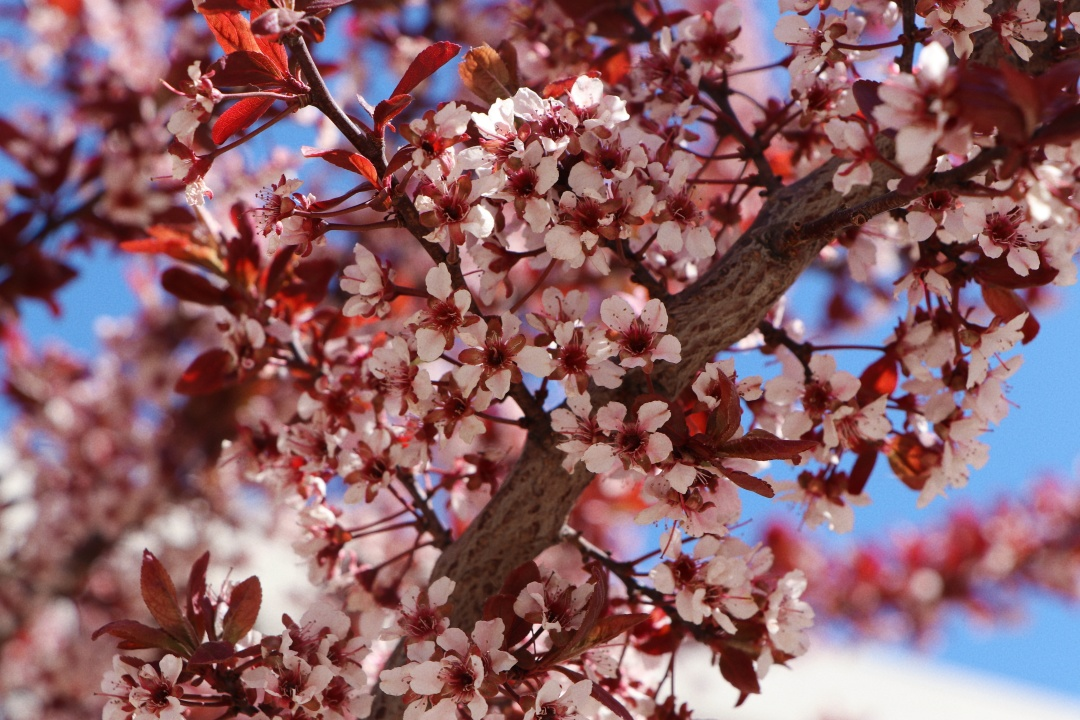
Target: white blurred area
(868,683)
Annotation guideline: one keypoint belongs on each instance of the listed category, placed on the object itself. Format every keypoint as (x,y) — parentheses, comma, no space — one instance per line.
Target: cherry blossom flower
(582,221)
(1005,227)
(553,701)
(446,312)
(912,105)
(295,681)
(433,137)
(708,505)
(578,426)
(851,141)
(713,582)
(371,284)
(202,98)
(141,693)
(453,209)
(633,443)
(554,604)
(987,344)
(454,411)
(580,356)
(1022,23)
(828,389)
(422,613)
(814,47)
(825,502)
(498,355)
(710,390)
(956,19)
(640,339)
(787,617)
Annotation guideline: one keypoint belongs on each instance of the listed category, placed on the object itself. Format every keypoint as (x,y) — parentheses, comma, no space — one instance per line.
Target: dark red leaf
(387,110)
(244,67)
(748,482)
(207,373)
(134,635)
(244,603)
(196,593)
(189,286)
(866,97)
(612,626)
(239,117)
(216,6)
(762,445)
(996,271)
(426,63)
(737,668)
(214,651)
(1007,304)
(159,594)
(860,471)
(1062,130)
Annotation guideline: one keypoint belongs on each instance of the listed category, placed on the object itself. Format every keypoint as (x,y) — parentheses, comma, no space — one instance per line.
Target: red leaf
(997,272)
(134,635)
(762,445)
(614,625)
(232,31)
(860,471)
(559,87)
(210,652)
(748,482)
(365,168)
(159,594)
(426,63)
(244,67)
(244,603)
(216,6)
(239,117)
(879,378)
(174,241)
(196,594)
(737,668)
(186,285)
(387,110)
(1007,304)
(346,160)
(207,373)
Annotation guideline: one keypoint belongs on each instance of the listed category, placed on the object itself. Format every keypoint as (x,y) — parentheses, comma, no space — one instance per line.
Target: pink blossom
(640,338)
(630,443)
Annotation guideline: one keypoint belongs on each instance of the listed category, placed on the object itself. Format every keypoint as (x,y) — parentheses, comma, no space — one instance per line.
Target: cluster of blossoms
(528,298)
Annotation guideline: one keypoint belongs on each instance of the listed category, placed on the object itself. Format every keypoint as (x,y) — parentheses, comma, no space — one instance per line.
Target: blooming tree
(514,313)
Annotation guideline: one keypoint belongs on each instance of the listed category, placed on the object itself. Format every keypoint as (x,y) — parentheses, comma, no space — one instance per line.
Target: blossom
(640,338)
(1022,23)
(453,211)
(630,444)
(553,701)
(141,693)
(498,355)
(787,617)
(553,603)
(446,312)
(370,283)
(911,104)
(202,98)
